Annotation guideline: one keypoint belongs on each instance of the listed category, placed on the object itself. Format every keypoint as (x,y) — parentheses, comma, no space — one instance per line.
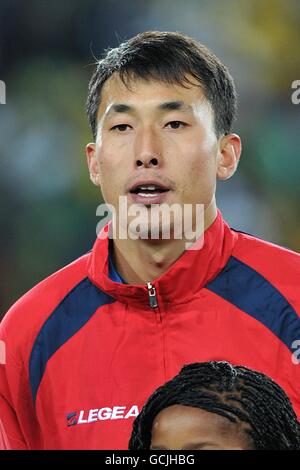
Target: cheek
(200,150)
(113,156)
(109,180)
(200,164)
(198,174)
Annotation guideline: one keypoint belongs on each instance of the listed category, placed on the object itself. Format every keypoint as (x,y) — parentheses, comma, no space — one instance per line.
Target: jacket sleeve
(15,407)
(20,427)
(4,443)
(11,436)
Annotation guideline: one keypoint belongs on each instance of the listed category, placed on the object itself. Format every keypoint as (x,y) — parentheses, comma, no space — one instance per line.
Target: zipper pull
(152,295)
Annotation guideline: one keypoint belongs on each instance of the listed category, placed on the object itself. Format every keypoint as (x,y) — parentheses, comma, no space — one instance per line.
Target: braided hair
(245,397)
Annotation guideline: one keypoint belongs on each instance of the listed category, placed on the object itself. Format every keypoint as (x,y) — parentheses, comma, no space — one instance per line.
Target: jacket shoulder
(26,316)
(251,247)
(278,265)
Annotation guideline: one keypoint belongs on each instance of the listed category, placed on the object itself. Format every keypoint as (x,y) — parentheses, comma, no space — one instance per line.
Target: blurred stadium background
(46,50)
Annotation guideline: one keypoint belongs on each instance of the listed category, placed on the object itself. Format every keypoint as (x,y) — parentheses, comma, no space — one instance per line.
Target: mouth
(148,193)
(148,190)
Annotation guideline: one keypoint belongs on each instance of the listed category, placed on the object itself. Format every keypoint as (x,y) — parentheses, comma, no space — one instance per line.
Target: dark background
(47,48)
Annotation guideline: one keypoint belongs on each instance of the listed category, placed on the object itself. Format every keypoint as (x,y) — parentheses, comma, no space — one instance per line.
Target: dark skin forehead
(180,427)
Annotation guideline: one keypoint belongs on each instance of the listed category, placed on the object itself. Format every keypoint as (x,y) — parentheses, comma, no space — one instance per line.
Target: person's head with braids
(215,405)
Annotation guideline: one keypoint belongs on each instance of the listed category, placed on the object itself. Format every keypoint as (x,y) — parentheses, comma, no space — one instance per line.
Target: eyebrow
(167,106)
(175,106)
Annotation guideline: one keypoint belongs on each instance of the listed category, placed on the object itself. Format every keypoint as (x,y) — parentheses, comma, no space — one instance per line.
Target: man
(88,345)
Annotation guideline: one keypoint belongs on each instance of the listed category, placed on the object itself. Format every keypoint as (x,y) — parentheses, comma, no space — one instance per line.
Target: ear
(92,163)
(230,148)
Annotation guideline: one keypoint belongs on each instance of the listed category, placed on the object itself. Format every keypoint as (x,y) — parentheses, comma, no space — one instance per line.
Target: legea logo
(101,414)
(72,418)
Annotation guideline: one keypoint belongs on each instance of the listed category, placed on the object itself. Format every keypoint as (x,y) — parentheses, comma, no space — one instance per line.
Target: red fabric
(126,349)
(4,443)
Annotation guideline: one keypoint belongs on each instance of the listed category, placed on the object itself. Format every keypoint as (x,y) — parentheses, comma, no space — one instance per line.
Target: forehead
(185,427)
(148,94)
(191,417)
(194,424)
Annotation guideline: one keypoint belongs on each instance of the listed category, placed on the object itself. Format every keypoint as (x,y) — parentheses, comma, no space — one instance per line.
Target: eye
(120,127)
(176,124)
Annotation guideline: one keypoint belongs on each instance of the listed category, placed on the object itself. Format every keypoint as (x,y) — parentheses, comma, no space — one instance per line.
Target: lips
(148,192)
(149,187)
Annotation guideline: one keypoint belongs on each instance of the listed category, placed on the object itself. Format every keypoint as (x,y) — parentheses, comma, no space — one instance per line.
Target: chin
(157,232)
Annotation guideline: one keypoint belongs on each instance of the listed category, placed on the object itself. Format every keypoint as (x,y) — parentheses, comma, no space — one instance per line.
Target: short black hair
(244,396)
(170,57)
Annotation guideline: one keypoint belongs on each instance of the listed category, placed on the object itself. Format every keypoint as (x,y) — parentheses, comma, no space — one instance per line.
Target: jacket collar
(192,270)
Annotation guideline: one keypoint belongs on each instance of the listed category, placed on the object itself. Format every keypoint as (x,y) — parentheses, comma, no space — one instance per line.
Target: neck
(141,261)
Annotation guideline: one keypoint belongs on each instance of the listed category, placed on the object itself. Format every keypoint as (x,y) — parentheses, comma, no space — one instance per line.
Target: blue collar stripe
(113,273)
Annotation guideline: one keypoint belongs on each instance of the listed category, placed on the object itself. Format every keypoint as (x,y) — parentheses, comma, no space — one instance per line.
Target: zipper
(152,295)
(154,304)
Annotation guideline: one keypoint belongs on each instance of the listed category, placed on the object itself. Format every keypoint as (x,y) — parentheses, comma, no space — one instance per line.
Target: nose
(148,152)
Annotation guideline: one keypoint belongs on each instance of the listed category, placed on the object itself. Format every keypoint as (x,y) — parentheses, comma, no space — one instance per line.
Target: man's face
(155,144)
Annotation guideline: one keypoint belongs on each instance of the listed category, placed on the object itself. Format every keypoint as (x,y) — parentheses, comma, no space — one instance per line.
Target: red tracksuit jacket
(84,352)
